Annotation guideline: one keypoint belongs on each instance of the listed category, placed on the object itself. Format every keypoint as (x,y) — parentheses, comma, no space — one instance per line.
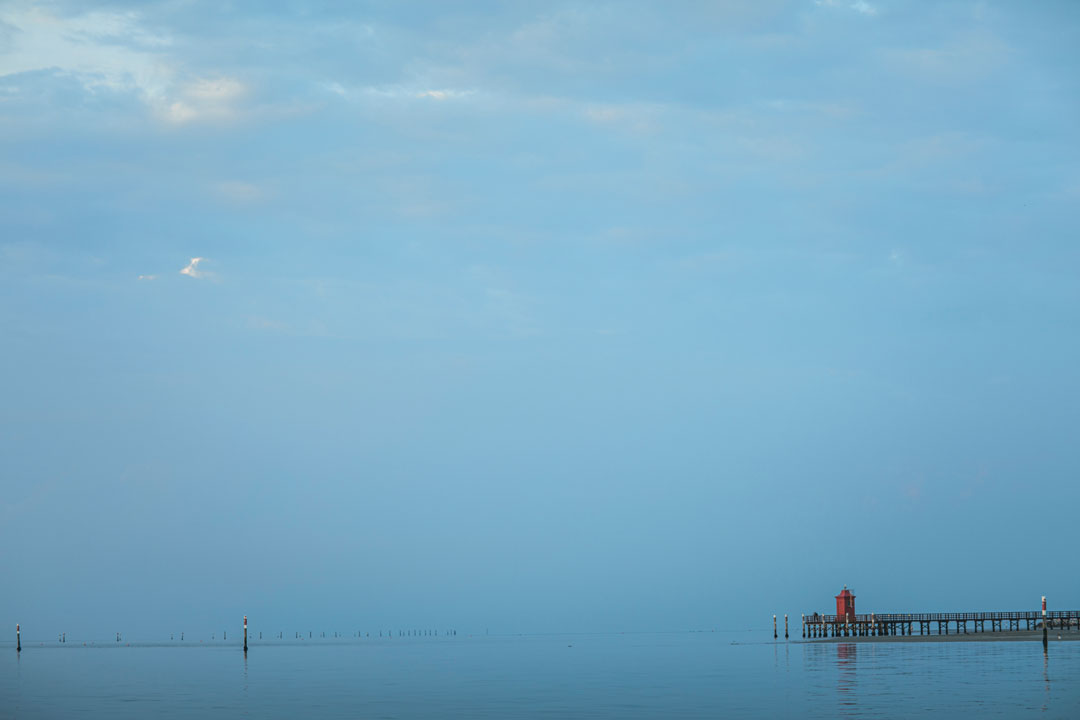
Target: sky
(535,316)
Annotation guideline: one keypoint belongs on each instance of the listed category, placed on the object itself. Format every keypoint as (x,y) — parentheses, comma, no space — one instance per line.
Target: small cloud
(860,6)
(394,92)
(336,88)
(204,99)
(239,192)
(192,269)
(214,89)
(444,94)
(150,277)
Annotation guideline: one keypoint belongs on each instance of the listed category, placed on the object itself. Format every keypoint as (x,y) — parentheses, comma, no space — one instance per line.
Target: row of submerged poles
(62,637)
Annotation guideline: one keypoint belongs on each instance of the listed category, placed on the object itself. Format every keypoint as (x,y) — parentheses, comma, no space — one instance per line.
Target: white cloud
(148,277)
(444,94)
(203,99)
(860,6)
(395,92)
(192,269)
(113,50)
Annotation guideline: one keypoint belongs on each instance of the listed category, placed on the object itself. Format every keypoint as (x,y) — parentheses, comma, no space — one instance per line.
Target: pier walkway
(821,626)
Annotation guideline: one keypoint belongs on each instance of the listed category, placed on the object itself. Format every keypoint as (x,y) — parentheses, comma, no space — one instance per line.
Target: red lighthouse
(845,606)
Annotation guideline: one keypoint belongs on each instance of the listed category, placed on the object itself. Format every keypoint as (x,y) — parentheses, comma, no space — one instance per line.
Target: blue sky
(535,316)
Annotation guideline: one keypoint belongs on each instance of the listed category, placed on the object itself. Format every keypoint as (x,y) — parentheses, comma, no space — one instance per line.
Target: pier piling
(785,626)
(774,635)
(245,633)
(18,639)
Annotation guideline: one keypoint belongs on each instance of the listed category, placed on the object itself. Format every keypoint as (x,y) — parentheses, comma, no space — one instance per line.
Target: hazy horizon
(535,317)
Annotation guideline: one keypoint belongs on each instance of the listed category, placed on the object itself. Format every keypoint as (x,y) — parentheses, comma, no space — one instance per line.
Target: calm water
(587,676)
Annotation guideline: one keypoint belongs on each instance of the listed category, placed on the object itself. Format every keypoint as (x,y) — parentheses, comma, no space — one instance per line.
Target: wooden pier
(874,625)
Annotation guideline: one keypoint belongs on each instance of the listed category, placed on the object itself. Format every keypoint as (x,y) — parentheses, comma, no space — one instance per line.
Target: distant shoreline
(1001,635)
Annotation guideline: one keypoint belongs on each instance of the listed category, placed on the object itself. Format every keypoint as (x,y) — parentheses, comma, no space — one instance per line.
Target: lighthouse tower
(845,606)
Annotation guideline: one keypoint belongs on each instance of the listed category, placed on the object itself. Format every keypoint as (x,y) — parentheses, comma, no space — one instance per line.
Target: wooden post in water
(774,635)
(18,639)
(245,633)
(785,626)
(803,624)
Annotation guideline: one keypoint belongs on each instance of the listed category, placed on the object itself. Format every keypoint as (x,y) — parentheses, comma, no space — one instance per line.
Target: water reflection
(1046,679)
(845,681)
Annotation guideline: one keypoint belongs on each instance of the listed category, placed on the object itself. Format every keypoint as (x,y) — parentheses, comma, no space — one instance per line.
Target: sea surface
(645,675)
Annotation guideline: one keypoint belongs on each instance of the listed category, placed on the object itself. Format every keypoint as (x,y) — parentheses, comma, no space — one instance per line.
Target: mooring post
(785,626)
(245,633)
(18,639)
(803,624)
(1044,620)
(774,635)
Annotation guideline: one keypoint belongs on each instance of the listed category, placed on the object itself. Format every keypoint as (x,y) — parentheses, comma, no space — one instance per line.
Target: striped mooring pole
(1044,620)
(245,633)
(18,639)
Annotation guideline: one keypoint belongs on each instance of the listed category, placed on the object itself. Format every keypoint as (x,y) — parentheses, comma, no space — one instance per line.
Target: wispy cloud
(202,99)
(149,277)
(860,6)
(113,50)
(238,192)
(192,269)
(396,92)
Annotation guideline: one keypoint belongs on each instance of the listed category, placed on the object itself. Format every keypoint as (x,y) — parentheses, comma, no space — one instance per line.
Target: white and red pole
(18,639)
(1044,620)
(245,633)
